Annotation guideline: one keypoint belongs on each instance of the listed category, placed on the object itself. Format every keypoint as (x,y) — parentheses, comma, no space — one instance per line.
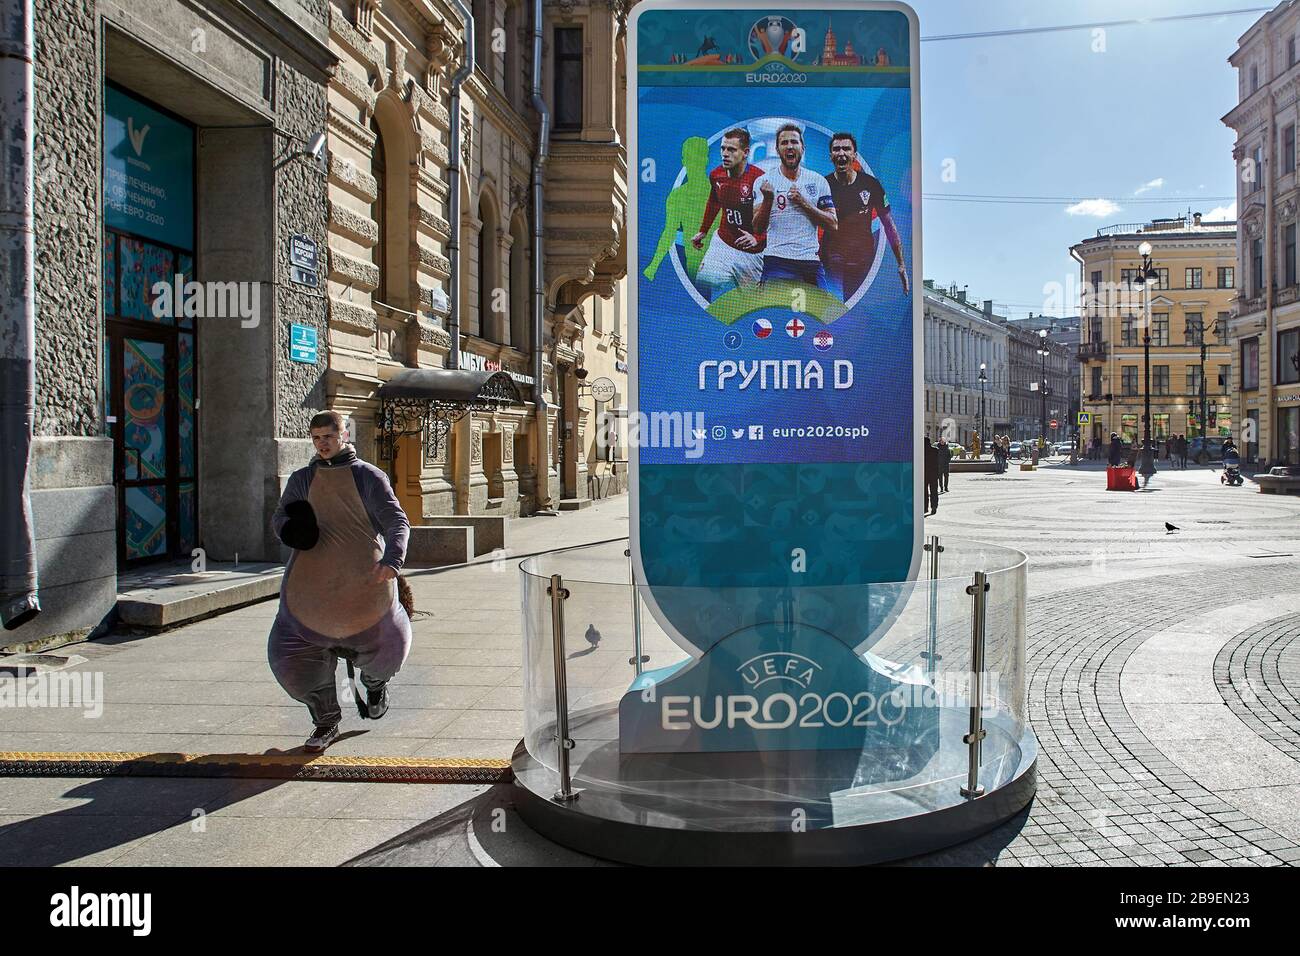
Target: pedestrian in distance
(932,477)
(1116,451)
(1182,451)
(341,595)
(945,464)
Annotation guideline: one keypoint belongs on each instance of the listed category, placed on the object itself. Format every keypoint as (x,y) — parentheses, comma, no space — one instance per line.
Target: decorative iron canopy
(429,401)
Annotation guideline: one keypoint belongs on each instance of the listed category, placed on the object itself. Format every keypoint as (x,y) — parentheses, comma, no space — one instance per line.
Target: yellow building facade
(1189,307)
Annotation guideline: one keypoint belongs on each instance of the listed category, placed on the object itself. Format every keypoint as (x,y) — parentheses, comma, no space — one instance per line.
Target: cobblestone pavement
(1258,674)
(1163,670)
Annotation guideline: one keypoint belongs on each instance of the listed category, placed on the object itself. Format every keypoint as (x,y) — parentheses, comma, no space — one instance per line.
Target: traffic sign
(1054,423)
(1085,418)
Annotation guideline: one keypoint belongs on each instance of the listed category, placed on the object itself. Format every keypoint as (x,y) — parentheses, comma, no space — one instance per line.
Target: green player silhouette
(684,209)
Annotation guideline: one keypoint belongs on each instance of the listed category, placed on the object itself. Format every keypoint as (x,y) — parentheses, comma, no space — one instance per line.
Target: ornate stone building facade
(295,156)
(1265,324)
(960,341)
(389,282)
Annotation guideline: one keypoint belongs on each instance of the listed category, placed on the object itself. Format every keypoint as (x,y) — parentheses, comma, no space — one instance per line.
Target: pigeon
(592,635)
(1169,529)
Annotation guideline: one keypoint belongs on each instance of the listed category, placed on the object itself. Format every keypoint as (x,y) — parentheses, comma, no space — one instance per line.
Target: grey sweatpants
(305,662)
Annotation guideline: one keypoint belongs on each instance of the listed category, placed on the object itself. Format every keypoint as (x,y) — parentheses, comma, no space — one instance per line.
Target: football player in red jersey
(736,259)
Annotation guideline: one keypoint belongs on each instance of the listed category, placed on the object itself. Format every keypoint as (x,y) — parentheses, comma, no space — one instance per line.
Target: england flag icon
(823,340)
(794,328)
(762,328)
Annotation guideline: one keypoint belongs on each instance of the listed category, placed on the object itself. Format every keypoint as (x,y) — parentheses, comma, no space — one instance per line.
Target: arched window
(379,210)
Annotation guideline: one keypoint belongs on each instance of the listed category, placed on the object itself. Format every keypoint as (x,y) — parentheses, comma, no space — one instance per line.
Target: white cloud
(1221,214)
(1154,184)
(1093,207)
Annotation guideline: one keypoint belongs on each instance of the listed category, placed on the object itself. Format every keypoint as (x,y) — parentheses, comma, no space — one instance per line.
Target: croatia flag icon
(762,328)
(794,328)
(823,340)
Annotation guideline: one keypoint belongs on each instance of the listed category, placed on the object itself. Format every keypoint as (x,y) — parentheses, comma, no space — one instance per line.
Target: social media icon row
(754,432)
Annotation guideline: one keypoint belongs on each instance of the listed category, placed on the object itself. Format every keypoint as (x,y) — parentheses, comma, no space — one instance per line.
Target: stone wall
(251,397)
(303,207)
(67,159)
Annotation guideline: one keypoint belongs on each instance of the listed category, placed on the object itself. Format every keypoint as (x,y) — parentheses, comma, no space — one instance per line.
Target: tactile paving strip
(322,767)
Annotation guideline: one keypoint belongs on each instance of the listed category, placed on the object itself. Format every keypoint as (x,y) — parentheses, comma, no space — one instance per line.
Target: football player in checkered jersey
(860,200)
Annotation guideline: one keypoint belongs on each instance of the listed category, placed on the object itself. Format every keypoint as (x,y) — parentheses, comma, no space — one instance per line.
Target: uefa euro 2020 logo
(773,35)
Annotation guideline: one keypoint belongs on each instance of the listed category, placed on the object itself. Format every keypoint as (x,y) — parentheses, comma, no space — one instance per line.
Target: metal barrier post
(638,658)
(931,653)
(564,743)
(978,592)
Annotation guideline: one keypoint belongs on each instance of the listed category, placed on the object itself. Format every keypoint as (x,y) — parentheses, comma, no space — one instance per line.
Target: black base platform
(732,809)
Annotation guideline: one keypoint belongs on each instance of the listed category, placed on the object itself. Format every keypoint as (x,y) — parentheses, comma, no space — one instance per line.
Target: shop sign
(473,362)
(148,171)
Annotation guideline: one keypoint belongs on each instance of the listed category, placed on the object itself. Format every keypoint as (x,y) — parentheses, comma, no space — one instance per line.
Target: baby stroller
(1231,467)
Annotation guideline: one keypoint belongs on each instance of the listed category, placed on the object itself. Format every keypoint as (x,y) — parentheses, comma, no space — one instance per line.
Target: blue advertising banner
(148,172)
(773,429)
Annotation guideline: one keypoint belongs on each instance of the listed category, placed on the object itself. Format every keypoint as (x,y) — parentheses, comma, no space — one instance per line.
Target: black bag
(300,532)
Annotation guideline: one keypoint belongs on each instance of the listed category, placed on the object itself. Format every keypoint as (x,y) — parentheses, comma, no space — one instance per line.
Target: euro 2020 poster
(775,169)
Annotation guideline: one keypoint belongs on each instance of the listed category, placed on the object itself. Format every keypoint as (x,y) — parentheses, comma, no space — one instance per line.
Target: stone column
(599,77)
(501,320)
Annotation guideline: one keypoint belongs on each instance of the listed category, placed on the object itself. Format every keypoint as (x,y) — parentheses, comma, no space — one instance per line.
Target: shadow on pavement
(124,810)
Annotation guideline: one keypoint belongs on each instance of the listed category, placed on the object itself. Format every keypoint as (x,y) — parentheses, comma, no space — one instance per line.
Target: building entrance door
(150,383)
(563,450)
(149,344)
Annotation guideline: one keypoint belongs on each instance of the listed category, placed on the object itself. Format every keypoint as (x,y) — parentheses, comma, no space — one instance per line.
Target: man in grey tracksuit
(339,592)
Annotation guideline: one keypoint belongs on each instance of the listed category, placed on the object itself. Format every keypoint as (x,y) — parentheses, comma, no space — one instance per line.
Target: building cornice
(488,99)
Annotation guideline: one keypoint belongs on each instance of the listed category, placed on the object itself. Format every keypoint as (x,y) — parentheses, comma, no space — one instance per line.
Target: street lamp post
(984,435)
(1148,274)
(1042,384)
(1205,433)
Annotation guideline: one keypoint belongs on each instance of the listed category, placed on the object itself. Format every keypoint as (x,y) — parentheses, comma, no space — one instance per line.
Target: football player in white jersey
(796,203)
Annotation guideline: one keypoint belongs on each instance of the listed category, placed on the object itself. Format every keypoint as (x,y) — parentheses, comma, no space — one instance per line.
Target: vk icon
(732,339)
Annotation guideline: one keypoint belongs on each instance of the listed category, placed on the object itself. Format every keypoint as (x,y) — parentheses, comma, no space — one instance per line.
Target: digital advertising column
(775,333)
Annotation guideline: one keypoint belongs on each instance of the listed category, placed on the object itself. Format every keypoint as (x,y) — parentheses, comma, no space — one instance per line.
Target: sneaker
(377,702)
(321,738)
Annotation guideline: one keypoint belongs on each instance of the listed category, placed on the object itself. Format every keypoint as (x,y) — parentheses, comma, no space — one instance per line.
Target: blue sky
(1045,115)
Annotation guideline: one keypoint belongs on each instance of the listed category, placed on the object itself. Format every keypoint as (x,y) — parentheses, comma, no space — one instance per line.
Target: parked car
(1205,450)
(1063,447)
(1017,449)
(958,451)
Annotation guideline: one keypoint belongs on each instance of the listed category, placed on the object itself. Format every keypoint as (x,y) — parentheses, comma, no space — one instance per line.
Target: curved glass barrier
(777,707)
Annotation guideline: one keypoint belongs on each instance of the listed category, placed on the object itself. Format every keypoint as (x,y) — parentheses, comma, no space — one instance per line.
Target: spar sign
(775,231)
